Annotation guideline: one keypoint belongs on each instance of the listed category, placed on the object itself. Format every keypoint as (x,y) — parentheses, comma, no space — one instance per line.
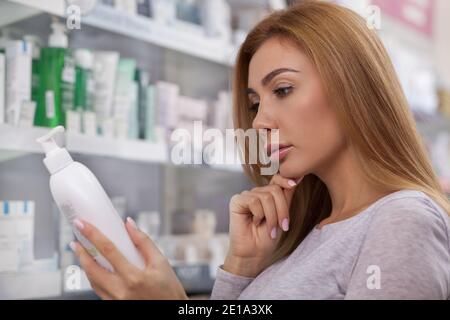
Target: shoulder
(410,213)
(407,240)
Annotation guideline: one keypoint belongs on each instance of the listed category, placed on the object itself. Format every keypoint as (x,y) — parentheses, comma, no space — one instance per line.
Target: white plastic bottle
(78,194)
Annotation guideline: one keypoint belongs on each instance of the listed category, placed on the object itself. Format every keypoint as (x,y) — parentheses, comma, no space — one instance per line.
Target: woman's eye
(254,107)
(283,91)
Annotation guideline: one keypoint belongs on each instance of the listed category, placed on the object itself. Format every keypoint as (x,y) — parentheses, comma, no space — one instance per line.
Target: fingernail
(273,234)
(131,222)
(72,246)
(292,183)
(78,224)
(285,224)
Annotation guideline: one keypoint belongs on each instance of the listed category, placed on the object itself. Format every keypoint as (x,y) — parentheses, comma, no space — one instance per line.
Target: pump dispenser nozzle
(58,37)
(47,142)
(56,158)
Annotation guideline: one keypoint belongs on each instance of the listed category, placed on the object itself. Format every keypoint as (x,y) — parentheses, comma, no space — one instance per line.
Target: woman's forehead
(275,54)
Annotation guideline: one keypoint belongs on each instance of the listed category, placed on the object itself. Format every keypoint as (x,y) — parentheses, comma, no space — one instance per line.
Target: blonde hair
(360,80)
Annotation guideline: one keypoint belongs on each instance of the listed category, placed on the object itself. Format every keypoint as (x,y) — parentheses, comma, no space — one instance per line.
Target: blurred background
(122,75)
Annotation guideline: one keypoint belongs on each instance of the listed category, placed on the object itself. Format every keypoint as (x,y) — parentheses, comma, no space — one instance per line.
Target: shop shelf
(178,37)
(23,140)
(136,150)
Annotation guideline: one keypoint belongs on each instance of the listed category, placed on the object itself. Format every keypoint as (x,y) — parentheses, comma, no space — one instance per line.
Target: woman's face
(286,93)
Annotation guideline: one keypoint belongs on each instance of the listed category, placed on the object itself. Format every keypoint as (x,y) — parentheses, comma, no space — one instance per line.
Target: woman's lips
(279,153)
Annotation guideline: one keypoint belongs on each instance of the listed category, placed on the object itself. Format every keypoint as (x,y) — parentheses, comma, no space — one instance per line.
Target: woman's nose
(264,119)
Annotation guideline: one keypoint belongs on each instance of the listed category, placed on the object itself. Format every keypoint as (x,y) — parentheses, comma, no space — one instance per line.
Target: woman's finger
(148,249)
(270,212)
(289,193)
(106,248)
(253,204)
(97,275)
(283,182)
(281,206)
(257,210)
(288,185)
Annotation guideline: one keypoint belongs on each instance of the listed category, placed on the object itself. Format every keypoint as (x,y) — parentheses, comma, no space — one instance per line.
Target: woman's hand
(257,219)
(158,281)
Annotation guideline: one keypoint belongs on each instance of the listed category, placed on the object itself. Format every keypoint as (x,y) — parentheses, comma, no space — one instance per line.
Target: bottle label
(49,104)
(68,84)
(68,74)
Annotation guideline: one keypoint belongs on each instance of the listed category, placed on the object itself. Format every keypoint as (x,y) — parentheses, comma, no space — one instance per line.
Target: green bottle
(57,80)
(142,79)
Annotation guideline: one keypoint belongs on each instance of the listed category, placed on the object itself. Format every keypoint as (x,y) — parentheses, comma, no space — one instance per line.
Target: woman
(355,212)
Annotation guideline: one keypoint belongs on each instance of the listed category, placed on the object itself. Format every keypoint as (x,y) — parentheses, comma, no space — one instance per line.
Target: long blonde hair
(360,80)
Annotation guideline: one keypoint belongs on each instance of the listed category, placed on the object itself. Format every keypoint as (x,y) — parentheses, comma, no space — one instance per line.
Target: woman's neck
(349,190)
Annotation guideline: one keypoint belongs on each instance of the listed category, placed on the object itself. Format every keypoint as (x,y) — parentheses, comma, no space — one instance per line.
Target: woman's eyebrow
(266,80)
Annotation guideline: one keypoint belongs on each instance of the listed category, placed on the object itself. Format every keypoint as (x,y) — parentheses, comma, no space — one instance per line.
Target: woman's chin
(291,171)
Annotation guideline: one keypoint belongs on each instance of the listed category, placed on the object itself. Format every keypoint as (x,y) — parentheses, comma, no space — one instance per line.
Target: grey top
(398,248)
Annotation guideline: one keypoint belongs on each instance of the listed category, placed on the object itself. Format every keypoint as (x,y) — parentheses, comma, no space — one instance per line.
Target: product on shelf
(223,111)
(89,120)
(166,104)
(204,223)
(189,11)
(81,118)
(57,80)
(108,2)
(97,92)
(128,6)
(27,112)
(125,105)
(150,130)
(195,250)
(35,44)
(18,78)
(16,235)
(142,80)
(190,109)
(149,222)
(105,67)
(164,11)
(2,86)
(9,247)
(144,8)
(216,17)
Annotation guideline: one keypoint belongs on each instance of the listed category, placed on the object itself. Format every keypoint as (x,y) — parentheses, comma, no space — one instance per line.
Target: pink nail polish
(292,183)
(273,234)
(78,224)
(131,222)
(285,224)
